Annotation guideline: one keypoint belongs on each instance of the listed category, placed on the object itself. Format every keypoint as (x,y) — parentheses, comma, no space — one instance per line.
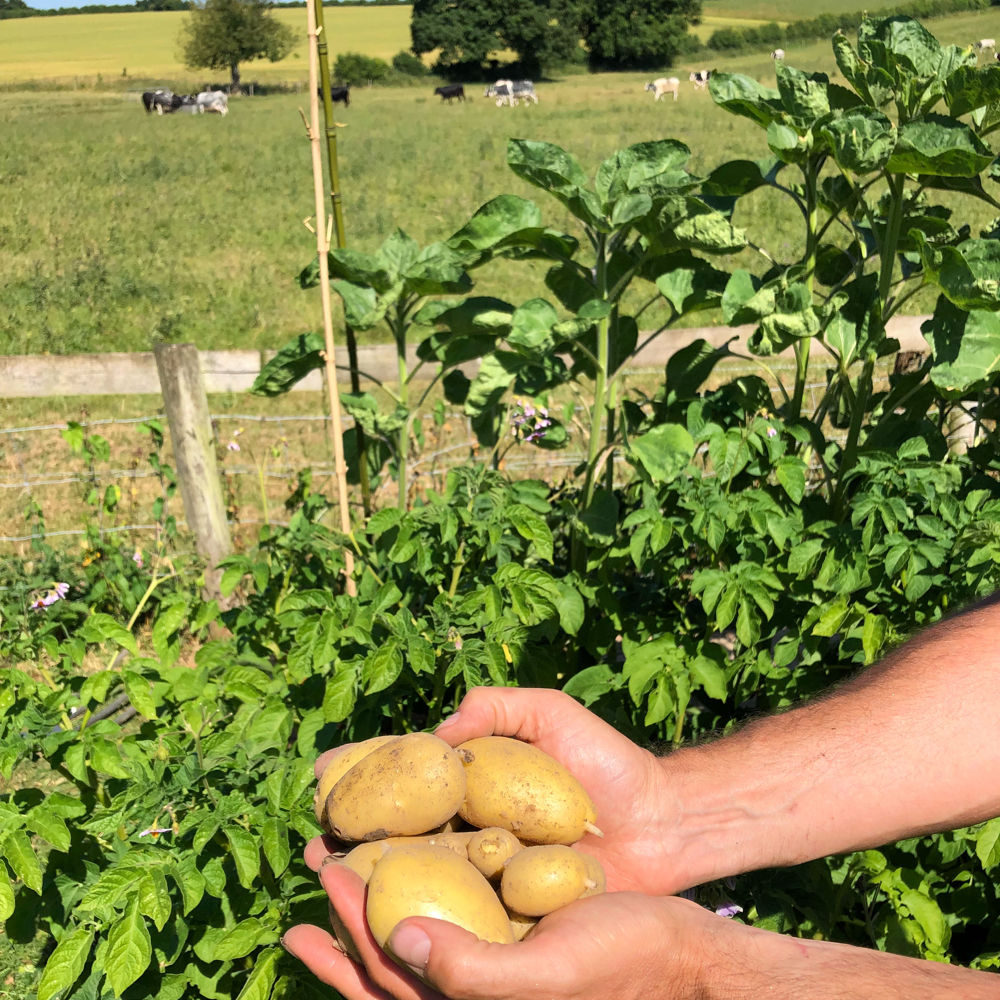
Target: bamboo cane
(336,206)
(323,249)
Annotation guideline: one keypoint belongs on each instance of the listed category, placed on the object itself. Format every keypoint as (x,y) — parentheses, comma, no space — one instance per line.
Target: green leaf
(646,168)
(235,942)
(246,854)
(100,627)
(105,757)
(262,977)
(710,676)
(154,897)
(190,881)
(382,666)
(6,894)
(742,95)
(861,140)
(938,146)
(969,276)
(664,452)
(591,683)
(569,604)
(554,170)
(274,838)
(791,475)
(49,824)
(64,965)
(139,693)
(290,365)
(438,270)
(129,949)
(495,222)
(363,308)
(16,848)
(340,694)
(688,289)
(531,326)
(988,844)
(803,95)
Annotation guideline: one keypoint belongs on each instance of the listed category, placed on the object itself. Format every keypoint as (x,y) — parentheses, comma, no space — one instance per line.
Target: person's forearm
(908,747)
(787,968)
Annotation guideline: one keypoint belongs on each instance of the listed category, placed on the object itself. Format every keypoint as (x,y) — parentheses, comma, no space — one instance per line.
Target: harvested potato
(596,879)
(405,787)
(538,880)
(431,881)
(490,849)
(521,925)
(339,766)
(516,786)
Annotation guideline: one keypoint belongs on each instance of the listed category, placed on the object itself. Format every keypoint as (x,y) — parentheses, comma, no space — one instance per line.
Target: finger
(523,713)
(319,953)
(319,849)
(324,758)
(347,894)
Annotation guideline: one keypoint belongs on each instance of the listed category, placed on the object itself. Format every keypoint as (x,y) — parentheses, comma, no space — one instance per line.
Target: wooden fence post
(186,404)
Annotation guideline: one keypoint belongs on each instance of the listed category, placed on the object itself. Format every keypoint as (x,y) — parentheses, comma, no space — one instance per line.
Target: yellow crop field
(144,44)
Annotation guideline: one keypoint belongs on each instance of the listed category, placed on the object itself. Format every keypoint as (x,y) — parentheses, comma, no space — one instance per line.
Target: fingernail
(284,944)
(450,721)
(412,947)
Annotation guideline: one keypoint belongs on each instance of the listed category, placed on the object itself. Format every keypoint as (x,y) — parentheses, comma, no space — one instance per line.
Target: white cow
(985,43)
(213,100)
(700,77)
(664,85)
(508,91)
(778,54)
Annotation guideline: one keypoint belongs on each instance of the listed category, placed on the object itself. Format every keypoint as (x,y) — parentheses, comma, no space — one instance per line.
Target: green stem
(403,435)
(802,344)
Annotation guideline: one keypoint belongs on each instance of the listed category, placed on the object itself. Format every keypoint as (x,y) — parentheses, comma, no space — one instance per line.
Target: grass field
(118,227)
(144,45)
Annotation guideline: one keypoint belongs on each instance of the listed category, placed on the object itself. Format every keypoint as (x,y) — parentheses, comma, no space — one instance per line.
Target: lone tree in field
(221,34)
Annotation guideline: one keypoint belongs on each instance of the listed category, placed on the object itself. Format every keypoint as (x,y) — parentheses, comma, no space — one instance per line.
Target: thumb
(445,956)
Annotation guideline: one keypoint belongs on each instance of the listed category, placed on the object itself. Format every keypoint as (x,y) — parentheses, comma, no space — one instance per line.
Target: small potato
(432,881)
(538,880)
(521,925)
(516,786)
(490,849)
(403,788)
(339,766)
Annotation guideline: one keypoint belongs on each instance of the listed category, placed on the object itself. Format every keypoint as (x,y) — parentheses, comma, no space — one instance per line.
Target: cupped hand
(634,805)
(623,945)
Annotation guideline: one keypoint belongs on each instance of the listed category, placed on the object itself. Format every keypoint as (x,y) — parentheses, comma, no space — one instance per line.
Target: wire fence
(48,491)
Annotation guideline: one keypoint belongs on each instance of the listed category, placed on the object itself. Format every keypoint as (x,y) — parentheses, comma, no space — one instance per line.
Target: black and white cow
(510,91)
(162,101)
(777,54)
(700,77)
(450,91)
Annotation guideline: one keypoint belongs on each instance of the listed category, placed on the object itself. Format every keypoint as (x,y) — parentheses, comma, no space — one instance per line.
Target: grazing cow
(189,105)
(700,77)
(664,85)
(777,53)
(985,43)
(450,91)
(214,101)
(163,102)
(508,92)
(340,95)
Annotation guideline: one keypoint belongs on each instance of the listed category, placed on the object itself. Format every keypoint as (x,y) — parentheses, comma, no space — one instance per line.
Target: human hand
(611,945)
(634,805)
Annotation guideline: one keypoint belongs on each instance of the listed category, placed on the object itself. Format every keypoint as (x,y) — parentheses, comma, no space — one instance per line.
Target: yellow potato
(521,925)
(430,881)
(339,766)
(516,786)
(541,879)
(490,849)
(596,879)
(403,788)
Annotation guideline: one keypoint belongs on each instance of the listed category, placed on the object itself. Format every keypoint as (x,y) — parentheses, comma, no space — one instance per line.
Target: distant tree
(221,34)
(638,34)
(540,32)
(355,69)
(617,33)
(163,4)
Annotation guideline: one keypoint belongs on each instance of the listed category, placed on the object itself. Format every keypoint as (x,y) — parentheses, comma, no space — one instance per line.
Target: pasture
(119,227)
